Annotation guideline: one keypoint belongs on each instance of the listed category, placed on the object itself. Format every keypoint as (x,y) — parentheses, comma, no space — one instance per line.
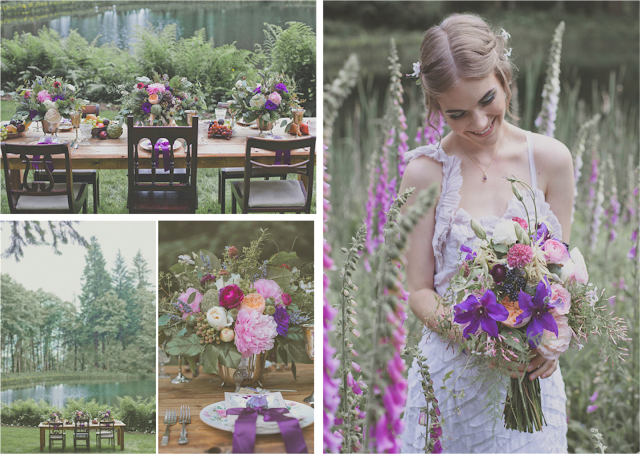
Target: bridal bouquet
(45,96)
(231,308)
(522,290)
(161,101)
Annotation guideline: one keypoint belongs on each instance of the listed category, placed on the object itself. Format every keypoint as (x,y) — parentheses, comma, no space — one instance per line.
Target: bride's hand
(538,366)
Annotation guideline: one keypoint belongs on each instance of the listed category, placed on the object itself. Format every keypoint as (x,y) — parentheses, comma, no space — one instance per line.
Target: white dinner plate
(145,144)
(215,415)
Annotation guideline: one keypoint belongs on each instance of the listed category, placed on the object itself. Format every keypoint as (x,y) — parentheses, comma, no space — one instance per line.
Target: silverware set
(170,419)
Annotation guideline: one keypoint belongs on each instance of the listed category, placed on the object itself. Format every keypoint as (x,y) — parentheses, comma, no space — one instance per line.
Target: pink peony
(575,269)
(519,255)
(268,289)
(286,299)
(231,296)
(555,252)
(255,332)
(155,88)
(558,292)
(275,98)
(551,347)
(195,305)
(44,96)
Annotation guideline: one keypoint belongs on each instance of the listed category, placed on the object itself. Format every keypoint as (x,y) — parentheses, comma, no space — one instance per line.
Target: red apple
(103,135)
(100,125)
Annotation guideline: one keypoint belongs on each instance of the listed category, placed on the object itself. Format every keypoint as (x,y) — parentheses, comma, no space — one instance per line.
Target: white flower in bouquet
(258,101)
(218,318)
(48,104)
(227,334)
(505,232)
(223,281)
(575,268)
(71,87)
(552,346)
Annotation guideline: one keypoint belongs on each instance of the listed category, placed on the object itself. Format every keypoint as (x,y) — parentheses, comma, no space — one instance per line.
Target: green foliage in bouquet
(161,101)
(35,99)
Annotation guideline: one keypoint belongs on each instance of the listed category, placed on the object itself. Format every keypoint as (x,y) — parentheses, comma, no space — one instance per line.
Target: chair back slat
(37,179)
(253,169)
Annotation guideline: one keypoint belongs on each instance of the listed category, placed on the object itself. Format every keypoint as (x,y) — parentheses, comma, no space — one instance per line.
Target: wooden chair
(231,173)
(56,433)
(106,431)
(91,109)
(81,433)
(89,176)
(171,192)
(38,192)
(281,196)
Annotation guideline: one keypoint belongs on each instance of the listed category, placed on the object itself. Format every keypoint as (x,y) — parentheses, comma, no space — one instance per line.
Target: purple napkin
(163,146)
(282,153)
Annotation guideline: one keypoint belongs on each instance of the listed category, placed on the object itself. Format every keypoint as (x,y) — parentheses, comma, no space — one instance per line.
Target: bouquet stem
(523,408)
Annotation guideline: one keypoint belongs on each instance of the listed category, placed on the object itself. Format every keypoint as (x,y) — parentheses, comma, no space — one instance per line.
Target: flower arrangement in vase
(46,99)
(81,415)
(161,101)
(265,102)
(105,415)
(55,416)
(236,307)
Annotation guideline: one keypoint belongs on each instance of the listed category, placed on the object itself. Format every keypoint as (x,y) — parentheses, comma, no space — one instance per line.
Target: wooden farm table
(118,425)
(112,153)
(201,392)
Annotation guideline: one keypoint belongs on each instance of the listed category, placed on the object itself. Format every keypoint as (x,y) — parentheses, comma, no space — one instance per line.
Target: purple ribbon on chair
(162,145)
(48,161)
(280,154)
(244,433)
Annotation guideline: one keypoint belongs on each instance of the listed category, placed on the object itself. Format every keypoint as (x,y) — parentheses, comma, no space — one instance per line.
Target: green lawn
(113,183)
(23,439)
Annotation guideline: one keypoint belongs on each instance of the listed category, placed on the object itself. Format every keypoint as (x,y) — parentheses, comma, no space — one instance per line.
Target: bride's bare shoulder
(421,173)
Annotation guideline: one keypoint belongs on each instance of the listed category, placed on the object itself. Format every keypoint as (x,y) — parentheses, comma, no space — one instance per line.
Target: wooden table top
(45,425)
(112,153)
(201,392)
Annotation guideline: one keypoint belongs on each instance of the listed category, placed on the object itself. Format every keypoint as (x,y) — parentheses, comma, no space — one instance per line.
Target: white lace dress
(469,428)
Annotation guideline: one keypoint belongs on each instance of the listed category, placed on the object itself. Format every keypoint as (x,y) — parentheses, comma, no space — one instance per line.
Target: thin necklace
(495,153)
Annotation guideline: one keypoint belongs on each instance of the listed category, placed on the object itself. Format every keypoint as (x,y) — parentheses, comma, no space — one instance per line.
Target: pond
(103,392)
(239,22)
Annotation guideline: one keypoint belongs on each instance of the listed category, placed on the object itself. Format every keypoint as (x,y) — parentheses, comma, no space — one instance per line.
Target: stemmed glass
(85,133)
(180,378)
(163,359)
(298,114)
(75,121)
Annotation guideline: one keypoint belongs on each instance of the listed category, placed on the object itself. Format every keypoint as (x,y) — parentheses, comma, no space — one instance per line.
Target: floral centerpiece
(161,101)
(522,290)
(265,102)
(235,307)
(51,96)
(105,415)
(80,415)
(55,416)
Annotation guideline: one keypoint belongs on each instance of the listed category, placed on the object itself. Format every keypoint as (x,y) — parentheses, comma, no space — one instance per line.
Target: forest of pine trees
(112,330)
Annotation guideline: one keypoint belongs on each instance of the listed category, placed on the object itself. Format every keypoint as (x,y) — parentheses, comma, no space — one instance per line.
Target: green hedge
(98,70)
(139,415)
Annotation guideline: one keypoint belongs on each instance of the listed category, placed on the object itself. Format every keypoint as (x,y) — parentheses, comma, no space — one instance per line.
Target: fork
(185,418)
(169,420)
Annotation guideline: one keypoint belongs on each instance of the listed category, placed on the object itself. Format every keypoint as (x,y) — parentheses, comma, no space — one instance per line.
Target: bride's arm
(420,174)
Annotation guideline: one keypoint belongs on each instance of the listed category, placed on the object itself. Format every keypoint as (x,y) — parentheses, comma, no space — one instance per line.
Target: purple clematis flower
(542,234)
(470,253)
(538,309)
(485,312)
(257,90)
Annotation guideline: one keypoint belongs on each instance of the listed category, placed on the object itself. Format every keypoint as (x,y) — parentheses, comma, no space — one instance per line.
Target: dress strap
(532,163)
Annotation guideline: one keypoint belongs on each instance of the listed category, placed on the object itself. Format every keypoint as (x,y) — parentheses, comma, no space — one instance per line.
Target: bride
(465,73)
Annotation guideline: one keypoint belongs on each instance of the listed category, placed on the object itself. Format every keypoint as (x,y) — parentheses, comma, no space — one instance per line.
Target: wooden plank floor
(201,392)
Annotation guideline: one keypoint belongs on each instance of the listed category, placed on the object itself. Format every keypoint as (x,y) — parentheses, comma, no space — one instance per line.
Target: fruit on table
(100,125)
(91,117)
(293,129)
(103,135)
(218,130)
(114,130)
(106,121)
(11,129)
(20,127)
(304,128)
(3,133)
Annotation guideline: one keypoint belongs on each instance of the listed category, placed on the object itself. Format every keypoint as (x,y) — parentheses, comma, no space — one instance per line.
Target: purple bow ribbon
(162,145)
(286,154)
(244,433)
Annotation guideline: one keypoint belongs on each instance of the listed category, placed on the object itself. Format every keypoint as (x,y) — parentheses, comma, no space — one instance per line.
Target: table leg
(42,438)
(121,430)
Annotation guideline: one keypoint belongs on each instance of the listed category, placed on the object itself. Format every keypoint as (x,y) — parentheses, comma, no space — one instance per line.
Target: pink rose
(195,304)
(555,252)
(551,347)
(268,289)
(27,94)
(558,292)
(155,88)
(286,299)
(231,296)
(575,269)
(275,98)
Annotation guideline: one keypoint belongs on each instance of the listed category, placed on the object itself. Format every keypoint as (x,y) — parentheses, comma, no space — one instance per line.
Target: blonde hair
(463,46)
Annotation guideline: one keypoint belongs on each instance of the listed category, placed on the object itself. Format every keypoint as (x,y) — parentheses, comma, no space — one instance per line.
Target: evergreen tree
(96,283)
(141,270)
(122,282)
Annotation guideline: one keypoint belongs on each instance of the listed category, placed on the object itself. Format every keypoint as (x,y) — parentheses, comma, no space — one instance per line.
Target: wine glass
(298,114)
(163,359)
(76,117)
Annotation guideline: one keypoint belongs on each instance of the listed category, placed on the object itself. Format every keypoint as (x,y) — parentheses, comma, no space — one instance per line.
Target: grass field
(22,439)
(113,183)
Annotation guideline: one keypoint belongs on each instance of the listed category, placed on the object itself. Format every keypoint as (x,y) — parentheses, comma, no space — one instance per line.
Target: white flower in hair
(416,70)
(507,53)
(505,34)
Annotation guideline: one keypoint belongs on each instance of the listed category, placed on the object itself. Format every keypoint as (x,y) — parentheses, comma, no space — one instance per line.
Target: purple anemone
(281,87)
(485,313)
(538,309)
(270,105)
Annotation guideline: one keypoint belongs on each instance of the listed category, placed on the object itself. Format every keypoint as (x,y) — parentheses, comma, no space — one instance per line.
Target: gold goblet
(308,343)
(75,117)
(298,114)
